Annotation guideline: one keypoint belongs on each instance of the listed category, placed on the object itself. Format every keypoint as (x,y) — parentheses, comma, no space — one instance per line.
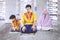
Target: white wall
(10,9)
(41,4)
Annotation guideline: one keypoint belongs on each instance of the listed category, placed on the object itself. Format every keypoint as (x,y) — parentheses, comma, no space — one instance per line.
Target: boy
(15,24)
(29,21)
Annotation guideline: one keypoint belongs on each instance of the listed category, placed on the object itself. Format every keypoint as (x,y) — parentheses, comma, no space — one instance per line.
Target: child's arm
(13,26)
(19,22)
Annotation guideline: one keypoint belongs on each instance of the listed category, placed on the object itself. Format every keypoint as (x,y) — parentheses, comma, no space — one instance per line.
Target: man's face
(28,9)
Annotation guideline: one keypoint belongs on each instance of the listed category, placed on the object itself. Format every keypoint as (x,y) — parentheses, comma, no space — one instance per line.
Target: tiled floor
(40,35)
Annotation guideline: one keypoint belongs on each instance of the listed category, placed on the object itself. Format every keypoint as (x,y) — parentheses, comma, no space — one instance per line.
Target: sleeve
(35,20)
(35,17)
(12,24)
(49,23)
(22,18)
(18,22)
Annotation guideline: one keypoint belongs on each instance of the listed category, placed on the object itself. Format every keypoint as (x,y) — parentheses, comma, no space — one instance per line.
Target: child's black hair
(12,17)
(28,6)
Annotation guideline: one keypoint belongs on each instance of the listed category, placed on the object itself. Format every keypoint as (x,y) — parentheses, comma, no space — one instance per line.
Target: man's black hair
(28,6)
(12,17)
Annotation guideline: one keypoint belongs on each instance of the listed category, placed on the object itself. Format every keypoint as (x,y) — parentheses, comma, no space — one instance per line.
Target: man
(29,21)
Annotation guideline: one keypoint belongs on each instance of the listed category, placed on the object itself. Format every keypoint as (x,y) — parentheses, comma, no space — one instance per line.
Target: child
(29,21)
(15,24)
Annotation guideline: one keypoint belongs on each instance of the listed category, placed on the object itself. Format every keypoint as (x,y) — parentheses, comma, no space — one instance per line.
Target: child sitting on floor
(15,24)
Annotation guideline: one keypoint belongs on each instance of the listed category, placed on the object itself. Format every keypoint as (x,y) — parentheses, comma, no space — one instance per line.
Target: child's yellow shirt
(16,24)
(29,18)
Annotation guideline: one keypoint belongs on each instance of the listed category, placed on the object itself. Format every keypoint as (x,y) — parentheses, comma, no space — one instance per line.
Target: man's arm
(22,20)
(35,20)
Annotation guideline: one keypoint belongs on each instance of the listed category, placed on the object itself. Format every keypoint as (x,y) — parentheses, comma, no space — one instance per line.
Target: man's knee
(23,29)
(34,28)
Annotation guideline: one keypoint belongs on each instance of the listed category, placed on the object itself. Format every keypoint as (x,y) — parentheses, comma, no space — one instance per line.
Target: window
(53,10)
(2,10)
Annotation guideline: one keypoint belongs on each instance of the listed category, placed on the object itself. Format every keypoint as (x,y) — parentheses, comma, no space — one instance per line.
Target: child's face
(28,9)
(13,19)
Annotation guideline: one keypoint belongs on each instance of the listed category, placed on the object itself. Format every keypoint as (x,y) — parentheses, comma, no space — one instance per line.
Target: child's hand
(14,28)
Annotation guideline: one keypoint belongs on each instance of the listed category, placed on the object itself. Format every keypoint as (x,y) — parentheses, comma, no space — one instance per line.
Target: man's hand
(33,28)
(24,28)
